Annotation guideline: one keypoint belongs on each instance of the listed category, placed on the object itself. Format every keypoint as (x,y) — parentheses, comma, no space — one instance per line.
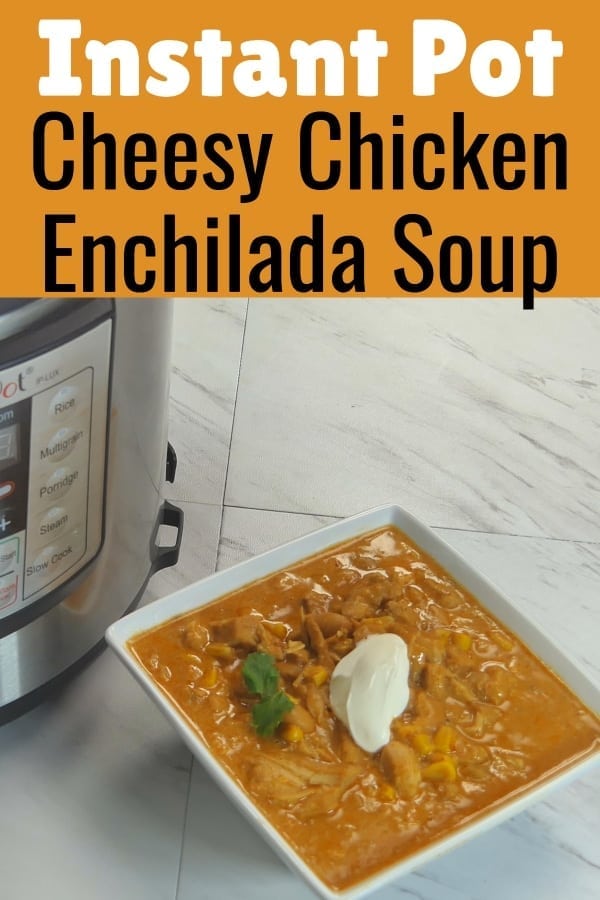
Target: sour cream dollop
(369,688)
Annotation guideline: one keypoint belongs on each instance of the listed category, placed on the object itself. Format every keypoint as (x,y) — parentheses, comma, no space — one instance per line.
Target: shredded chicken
(289,780)
(270,643)
(316,703)
(435,680)
(493,685)
(301,717)
(196,637)
(401,767)
(239,632)
(349,751)
(317,641)
(332,623)
(356,609)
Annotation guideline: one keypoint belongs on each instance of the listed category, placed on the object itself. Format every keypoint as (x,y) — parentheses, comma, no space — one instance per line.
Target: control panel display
(9,445)
(53,425)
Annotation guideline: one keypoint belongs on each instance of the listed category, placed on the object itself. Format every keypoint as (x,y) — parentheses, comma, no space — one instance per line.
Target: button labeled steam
(58,483)
(53,522)
(61,444)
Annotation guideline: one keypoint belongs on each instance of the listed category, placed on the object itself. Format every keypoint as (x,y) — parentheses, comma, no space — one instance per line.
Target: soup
(485,718)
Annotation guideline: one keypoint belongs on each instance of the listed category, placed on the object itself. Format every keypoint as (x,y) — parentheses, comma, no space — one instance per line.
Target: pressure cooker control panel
(53,426)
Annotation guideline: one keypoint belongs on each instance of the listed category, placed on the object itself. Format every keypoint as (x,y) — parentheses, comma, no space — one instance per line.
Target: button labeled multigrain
(65,402)
(61,444)
(59,483)
(53,522)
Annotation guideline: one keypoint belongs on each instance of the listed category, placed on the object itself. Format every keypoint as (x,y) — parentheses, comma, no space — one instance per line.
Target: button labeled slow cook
(61,444)
(55,558)
(59,483)
(65,402)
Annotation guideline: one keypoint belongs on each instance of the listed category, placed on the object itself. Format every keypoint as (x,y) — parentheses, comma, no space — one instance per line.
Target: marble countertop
(480,419)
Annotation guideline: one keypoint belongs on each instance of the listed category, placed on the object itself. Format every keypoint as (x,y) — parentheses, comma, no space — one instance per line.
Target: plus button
(4,523)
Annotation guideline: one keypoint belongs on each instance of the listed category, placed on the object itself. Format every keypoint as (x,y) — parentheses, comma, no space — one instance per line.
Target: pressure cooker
(84,455)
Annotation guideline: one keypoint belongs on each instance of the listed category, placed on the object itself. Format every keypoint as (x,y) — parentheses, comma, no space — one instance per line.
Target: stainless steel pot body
(115,369)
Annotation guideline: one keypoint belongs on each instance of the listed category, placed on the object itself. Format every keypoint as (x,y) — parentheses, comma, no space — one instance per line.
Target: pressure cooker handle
(163,557)
(171,463)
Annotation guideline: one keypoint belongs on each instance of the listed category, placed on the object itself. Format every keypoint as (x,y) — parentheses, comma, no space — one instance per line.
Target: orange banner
(437,149)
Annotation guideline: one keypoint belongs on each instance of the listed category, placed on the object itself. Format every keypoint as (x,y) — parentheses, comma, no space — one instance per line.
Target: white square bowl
(208,589)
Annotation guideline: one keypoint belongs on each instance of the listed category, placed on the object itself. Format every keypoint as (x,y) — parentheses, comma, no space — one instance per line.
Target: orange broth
(486,718)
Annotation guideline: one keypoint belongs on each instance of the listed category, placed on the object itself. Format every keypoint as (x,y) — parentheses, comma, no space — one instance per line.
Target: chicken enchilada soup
(366,702)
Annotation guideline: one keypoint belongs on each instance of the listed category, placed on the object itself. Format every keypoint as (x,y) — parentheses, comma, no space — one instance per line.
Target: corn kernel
(445,738)
(422,744)
(209,678)
(293,734)
(404,729)
(387,794)
(443,634)
(220,651)
(444,770)
(502,641)
(375,625)
(317,674)
(462,640)
(279,629)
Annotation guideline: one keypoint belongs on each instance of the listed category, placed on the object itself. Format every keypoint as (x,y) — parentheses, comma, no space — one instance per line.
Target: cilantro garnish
(262,678)
(267,714)
(260,674)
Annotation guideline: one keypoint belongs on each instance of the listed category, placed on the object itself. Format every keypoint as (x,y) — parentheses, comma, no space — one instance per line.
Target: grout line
(321,515)
(287,512)
(235,399)
(174,498)
(183,829)
(530,537)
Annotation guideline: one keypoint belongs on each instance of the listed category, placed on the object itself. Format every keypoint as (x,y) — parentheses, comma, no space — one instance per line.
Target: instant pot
(84,389)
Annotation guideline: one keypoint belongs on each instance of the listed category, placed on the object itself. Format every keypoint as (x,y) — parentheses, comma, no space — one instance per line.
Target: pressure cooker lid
(20,316)
(7,305)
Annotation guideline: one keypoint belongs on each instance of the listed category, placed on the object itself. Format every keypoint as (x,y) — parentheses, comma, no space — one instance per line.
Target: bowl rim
(208,589)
